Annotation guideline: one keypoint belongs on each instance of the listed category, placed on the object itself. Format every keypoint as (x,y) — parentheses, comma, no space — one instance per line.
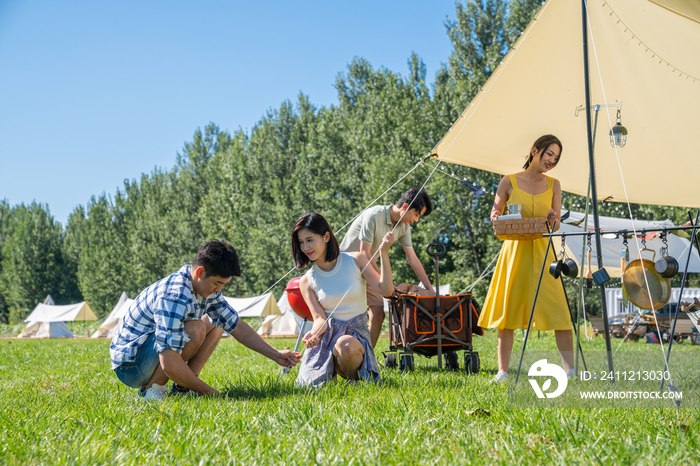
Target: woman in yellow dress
(512,290)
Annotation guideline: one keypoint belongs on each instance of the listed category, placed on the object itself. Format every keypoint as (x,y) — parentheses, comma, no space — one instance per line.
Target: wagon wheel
(452,361)
(406,363)
(471,363)
(390,361)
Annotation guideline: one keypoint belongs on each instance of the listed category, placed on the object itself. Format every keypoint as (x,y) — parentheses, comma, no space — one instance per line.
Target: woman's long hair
(315,223)
(542,143)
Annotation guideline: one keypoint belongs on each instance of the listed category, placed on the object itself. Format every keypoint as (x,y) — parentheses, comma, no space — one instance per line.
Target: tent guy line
(489,86)
(325,322)
(487,270)
(624,187)
(522,44)
(421,161)
(437,165)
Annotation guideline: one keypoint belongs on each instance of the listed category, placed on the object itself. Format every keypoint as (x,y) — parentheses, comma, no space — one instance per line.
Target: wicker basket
(520,228)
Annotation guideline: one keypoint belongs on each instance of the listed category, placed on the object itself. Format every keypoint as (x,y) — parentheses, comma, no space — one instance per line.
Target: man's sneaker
(501,377)
(176,389)
(155,393)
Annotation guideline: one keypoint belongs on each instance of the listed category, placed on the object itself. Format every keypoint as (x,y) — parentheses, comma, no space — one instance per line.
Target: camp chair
(596,324)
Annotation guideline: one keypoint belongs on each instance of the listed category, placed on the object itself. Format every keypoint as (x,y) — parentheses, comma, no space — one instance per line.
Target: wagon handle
(441,249)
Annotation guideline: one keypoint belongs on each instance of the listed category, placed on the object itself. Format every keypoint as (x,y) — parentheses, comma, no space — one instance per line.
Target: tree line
(249,189)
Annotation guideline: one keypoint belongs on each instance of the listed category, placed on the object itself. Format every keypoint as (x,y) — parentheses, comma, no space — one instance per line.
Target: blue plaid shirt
(163,308)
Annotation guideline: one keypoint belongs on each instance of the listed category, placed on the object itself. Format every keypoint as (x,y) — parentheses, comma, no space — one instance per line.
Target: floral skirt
(317,364)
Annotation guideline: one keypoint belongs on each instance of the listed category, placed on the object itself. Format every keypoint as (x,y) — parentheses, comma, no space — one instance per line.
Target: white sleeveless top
(331,286)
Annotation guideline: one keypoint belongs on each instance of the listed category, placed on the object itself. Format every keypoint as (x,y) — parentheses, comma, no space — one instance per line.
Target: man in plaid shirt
(174,325)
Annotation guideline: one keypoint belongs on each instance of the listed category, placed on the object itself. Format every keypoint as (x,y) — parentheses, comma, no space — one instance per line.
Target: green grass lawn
(61,404)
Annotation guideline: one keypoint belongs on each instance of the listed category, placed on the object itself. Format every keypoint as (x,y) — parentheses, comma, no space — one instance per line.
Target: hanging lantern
(618,134)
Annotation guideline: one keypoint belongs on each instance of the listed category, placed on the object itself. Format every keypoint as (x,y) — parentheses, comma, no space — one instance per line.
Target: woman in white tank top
(335,291)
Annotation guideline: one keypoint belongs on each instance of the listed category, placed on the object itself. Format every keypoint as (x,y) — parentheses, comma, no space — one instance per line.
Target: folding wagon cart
(433,325)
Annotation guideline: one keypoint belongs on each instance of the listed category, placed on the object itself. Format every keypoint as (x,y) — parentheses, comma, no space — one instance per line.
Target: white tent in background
(288,324)
(256,306)
(46,330)
(67,313)
(113,321)
(49,321)
(612,247)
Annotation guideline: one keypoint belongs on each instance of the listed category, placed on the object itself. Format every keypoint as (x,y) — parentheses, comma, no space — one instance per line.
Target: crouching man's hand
(287,358)
(212,393)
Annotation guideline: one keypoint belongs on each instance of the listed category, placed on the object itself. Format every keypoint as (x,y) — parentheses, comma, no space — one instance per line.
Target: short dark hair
(421,200)
(218,258)
(542,143)
(315,223)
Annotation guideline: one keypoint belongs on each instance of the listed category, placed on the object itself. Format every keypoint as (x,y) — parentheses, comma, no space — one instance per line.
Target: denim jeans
(138,373)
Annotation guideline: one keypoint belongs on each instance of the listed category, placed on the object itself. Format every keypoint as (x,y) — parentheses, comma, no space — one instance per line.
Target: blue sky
(96,92)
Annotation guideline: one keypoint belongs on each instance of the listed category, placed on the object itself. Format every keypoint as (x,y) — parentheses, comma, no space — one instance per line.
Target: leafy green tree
(251,202)
(32,259)
(249,189)
(4,225)
(103,270)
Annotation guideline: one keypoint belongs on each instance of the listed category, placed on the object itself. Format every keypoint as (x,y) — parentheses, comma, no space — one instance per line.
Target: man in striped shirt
(174,325)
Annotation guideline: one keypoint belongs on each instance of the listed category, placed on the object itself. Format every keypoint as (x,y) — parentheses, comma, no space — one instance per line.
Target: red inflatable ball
(296,300)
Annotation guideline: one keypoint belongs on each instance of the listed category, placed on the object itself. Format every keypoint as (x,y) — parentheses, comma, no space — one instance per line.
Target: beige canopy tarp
(648,58)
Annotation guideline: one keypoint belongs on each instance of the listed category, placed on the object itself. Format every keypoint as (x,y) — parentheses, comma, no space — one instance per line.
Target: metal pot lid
(634,285)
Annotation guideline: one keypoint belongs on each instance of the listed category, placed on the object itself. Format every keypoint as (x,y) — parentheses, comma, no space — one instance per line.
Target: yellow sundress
(512,290)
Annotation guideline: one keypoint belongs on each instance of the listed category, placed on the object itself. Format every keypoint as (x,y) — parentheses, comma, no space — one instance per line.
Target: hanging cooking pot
(634,284)
(666,266)
(569,268)
(555,268)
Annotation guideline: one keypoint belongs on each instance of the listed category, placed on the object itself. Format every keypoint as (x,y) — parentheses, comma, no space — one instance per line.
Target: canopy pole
(579,305)
(594,191)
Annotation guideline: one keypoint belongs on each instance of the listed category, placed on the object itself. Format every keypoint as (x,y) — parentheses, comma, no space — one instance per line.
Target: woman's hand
(501,198)
(311,339)
(287,358)
(388,240)
(552,216)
